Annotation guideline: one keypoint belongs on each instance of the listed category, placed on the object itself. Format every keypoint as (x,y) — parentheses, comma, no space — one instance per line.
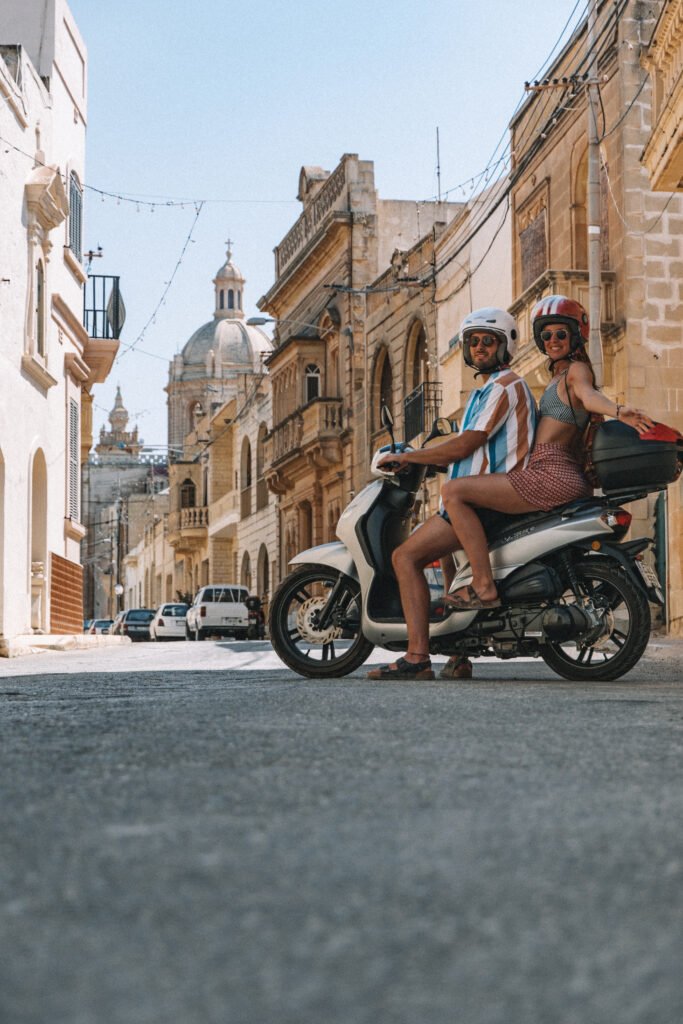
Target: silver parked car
(168,622)
(100,625)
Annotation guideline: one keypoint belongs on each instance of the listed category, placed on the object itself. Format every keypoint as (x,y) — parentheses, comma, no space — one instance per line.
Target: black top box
(624,461)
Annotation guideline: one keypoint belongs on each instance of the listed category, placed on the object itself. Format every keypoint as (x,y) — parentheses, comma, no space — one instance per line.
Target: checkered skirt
(552,477)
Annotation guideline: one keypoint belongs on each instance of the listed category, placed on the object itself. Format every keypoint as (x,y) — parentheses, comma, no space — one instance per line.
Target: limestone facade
(220,521)
(642,233)
(49,362)
(317,450)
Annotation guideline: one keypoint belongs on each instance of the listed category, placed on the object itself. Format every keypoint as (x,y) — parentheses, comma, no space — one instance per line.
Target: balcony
(104,313)
(421,408)
(103,318)
(188,528)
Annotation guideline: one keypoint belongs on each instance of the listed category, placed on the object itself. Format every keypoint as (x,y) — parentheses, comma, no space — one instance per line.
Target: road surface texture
(245,847)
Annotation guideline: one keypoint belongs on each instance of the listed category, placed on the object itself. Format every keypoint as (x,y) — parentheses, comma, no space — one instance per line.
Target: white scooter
(572,591)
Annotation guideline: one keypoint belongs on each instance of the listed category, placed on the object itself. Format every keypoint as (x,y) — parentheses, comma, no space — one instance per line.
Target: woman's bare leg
(460,497)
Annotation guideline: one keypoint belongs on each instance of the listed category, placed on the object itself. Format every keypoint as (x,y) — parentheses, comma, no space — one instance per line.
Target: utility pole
(593,202)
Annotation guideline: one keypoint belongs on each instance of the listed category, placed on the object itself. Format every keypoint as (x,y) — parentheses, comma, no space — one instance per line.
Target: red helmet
(559,309)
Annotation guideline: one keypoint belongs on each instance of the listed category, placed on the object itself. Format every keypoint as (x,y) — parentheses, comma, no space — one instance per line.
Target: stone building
(641,231)
(316,453)
(50,362)
(118,478)
(414,310)
(221,521)
(663,160)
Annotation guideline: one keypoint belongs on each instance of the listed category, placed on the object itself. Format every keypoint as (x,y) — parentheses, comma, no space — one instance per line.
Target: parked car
(168,622)
(135,623)
(100,625)
(219,609)
(116,627)
(87,624)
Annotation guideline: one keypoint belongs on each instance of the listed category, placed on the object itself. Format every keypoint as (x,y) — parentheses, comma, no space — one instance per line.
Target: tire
(252,633)
(293,635)
(189,635)
(626,615)
(200,634)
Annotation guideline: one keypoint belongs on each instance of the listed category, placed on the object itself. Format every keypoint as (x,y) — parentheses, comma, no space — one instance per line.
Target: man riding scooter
(496,436)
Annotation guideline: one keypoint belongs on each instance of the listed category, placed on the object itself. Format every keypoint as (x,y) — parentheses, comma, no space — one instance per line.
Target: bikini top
(552,405)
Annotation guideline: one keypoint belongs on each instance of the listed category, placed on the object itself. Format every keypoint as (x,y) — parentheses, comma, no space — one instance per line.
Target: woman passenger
(553,474)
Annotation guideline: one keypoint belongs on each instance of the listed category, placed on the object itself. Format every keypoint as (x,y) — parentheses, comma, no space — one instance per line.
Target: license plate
(649,575)
(231,622)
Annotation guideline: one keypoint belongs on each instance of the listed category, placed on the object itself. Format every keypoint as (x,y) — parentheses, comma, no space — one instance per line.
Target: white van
(218,609)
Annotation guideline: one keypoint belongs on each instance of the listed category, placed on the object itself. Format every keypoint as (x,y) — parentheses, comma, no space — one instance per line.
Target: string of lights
(141,200)
(152,319)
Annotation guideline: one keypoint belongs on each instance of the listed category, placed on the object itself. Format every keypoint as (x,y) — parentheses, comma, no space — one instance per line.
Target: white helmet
(498,322)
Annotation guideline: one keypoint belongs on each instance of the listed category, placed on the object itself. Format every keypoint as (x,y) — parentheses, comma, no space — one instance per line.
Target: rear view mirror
(441,429)
(387,418)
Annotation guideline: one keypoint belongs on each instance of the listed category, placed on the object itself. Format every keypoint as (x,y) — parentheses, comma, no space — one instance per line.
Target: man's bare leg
(433,540)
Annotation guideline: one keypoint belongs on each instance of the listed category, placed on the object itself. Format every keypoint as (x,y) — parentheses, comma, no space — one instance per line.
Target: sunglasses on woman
(561,335)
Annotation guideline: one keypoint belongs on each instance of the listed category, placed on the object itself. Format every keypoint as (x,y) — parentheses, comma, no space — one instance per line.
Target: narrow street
(212,844)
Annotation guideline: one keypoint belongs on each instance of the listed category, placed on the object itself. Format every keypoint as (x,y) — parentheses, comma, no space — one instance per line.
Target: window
(221,299)
(39,310)
(73,476)
(231,299)
(188,494)
(312,382)
(384,387)
(75,216)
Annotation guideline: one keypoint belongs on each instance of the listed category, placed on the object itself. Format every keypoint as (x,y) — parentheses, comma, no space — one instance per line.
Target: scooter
(573,591)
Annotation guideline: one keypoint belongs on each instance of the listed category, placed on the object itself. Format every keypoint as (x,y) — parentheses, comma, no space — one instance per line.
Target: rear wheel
(617,643)
(189,635)
(295,631)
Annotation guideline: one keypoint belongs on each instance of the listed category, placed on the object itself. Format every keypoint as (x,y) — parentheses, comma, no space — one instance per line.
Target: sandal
(457,667)
(472,602)
(403,670)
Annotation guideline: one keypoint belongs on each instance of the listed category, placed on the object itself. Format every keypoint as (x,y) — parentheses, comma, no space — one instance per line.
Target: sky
(222,102)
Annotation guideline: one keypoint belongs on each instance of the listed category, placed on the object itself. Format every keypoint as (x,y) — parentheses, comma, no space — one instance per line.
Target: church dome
(226,345)
(230,345)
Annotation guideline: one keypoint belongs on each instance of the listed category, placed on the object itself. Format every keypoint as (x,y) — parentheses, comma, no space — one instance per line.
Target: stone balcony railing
(317,424)
(189,519)
(312,219)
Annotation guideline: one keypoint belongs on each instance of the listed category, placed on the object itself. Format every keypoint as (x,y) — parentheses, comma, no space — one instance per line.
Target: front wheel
(616,644)
(295,632)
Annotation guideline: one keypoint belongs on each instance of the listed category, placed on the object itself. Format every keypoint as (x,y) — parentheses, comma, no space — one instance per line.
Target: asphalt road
(250,848)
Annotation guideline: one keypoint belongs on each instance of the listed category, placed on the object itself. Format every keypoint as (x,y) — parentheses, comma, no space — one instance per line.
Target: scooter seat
(500,533)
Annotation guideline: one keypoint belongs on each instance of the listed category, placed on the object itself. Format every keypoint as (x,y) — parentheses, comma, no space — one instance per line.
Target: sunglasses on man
(484,339)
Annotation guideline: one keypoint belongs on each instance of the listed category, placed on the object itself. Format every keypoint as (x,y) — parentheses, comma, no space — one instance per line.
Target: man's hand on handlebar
(394,461)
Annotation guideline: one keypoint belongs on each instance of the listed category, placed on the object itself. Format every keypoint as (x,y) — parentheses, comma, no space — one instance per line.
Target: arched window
(75,215)
(231,299)
(263,572)
(246,463)
(261,485)
(312,382)
(188,494)
(246,571)
(221,299)
(39,310)
(417,358)
(383,387)
(239,299)
(245,477)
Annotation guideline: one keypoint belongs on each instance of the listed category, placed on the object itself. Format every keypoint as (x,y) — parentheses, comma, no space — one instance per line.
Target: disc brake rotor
(599,636)
(307,622)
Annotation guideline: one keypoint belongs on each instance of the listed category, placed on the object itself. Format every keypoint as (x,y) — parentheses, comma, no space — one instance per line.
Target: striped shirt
(505,410)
